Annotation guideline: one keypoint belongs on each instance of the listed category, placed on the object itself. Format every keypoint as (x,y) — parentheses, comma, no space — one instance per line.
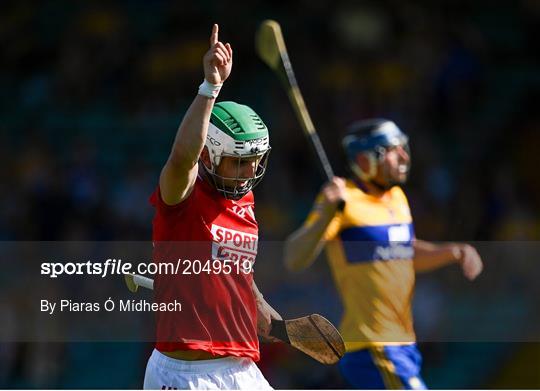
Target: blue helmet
(371,137)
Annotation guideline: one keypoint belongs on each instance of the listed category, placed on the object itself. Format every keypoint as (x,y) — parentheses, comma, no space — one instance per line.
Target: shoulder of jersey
(352,188)
(398,192)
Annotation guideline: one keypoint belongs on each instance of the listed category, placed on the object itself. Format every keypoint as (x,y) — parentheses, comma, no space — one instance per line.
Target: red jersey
(219,312)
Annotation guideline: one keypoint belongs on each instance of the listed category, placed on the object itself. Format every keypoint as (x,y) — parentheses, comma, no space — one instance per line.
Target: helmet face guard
(235,192)
(374,138)
(236,132)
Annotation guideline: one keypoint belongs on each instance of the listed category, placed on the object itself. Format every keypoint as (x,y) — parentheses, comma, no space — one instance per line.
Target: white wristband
(209,90)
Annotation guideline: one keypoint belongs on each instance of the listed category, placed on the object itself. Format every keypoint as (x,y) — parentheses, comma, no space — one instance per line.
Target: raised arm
(180,171)
(306,243)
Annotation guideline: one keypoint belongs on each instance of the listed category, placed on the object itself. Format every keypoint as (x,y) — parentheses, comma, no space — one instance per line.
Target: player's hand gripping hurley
(271,49)
(313,335)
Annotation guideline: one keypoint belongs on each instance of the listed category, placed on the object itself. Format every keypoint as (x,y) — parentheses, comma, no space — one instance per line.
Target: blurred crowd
(92,94)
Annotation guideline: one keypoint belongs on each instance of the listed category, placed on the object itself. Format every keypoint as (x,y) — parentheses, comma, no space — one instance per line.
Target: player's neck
(375,190)
(371,188)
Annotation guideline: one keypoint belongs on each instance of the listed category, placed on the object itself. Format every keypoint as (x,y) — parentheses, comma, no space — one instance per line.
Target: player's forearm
(306,243)
(430,256)
(256,292)
(265,312)
(259,298)
(191,134)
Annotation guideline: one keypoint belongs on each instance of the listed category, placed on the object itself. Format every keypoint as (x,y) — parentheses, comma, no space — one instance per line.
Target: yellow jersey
(369,246)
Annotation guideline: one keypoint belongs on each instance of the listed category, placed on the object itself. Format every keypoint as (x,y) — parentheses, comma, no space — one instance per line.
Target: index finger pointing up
(214,35)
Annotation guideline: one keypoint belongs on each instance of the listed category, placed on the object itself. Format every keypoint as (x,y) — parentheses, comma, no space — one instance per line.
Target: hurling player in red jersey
(204,216)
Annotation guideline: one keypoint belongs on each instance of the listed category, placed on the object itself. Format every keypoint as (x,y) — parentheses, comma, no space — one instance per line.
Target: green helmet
(236,131)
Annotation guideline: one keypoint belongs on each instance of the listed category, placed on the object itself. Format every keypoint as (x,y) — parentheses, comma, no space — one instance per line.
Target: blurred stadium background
(92,94)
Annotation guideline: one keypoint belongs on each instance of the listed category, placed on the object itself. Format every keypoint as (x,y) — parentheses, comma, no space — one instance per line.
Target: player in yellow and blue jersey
(365,224)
